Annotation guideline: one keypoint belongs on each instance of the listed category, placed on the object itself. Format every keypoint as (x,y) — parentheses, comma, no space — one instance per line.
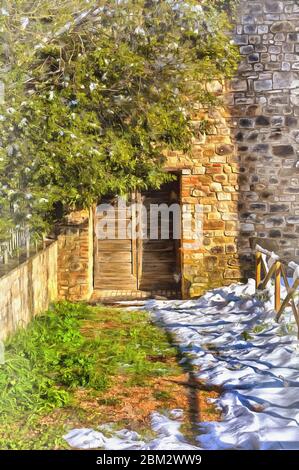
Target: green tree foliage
(97,91)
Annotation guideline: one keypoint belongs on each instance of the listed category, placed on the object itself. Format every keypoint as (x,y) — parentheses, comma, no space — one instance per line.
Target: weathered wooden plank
(114,257)
(258,269)
(114,269)
(114,245)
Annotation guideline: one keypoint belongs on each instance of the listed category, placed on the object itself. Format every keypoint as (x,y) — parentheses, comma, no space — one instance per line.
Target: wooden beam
(287,285)
(286,301)
(134,234)
(277,285)
(258,269)
(270,273)
(139,242)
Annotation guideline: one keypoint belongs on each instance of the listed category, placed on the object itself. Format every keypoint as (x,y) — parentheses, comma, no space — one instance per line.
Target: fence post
(277,286)
(258,269)
(27,243)
(5,255)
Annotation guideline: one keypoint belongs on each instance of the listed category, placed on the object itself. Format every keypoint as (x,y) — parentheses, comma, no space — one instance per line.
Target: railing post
(258,269)
(277,286)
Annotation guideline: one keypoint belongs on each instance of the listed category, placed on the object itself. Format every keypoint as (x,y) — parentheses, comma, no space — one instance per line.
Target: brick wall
(210,179)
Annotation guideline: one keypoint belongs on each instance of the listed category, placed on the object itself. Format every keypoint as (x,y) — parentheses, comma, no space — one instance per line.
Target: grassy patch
(83,366)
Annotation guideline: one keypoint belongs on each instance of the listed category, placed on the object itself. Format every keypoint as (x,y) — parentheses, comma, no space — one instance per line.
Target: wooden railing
(269,266)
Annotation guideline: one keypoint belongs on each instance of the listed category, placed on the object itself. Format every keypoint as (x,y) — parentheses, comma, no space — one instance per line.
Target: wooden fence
(19,240)
(270,266)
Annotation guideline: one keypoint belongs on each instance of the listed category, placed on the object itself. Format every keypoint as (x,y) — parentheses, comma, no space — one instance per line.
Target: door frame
(137,249)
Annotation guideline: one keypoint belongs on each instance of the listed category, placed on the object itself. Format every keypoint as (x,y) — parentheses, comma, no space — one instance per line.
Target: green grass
(162,395)
(69,348)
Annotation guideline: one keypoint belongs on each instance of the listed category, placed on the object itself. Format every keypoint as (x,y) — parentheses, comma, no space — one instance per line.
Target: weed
(260,328)
(246,336)
(287,329)
(263,295)
(162,395)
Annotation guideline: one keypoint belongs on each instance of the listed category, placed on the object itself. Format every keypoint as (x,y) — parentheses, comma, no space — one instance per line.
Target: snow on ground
(233,343)
(167,429)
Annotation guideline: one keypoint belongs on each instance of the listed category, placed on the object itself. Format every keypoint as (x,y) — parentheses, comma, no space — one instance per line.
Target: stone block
(232,274)
(285,80)
(284,208)
(283,150)
(262,121)
(216,187)
(293,37)
(225,149)
(263,85)
(282,27)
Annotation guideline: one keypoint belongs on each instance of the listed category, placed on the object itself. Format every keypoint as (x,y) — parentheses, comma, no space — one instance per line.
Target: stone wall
(75,257)
(63,271)
(264,105)
(28,290)
(245,171)
(210,179)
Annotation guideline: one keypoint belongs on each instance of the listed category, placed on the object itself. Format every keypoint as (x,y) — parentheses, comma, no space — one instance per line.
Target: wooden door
(138,263)
(160,256)
(115,258)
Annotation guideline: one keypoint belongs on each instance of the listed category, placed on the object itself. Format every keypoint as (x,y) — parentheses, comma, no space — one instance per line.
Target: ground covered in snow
(231,339)
(167,429)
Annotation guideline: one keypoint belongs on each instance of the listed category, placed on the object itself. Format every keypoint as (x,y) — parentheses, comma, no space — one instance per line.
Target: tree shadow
(194,387)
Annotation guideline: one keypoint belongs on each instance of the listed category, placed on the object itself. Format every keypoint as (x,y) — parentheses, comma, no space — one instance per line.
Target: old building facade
(244,172)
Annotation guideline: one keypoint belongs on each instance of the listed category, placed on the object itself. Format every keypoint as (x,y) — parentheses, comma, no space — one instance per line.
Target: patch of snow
(85,439)
(258,372)
(168,433)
